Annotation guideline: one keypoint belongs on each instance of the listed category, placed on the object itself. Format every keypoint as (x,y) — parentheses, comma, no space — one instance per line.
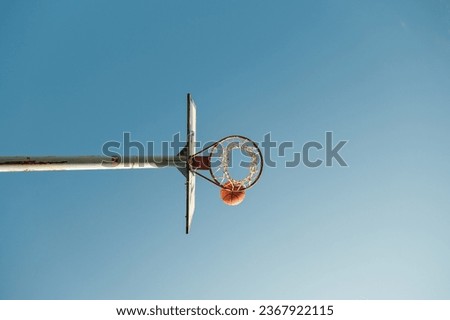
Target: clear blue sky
(75,74)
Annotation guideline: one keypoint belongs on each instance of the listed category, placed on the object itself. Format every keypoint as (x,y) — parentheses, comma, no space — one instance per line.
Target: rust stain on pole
(115,160)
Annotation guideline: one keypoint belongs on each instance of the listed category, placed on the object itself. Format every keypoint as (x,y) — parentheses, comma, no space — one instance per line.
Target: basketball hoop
(219,162)
(235,164)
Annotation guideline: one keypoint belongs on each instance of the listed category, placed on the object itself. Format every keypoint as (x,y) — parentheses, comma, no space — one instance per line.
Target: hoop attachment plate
(200,162)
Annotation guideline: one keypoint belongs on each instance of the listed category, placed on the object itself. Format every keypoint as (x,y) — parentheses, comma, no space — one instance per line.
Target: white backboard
(191,149)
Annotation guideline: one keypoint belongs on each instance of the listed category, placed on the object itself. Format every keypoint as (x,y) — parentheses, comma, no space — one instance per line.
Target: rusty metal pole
(21,163)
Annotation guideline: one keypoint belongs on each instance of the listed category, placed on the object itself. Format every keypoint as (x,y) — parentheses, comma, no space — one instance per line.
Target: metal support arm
(20,163)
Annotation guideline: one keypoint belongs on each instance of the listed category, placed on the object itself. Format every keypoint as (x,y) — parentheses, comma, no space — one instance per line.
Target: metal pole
(20,163)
